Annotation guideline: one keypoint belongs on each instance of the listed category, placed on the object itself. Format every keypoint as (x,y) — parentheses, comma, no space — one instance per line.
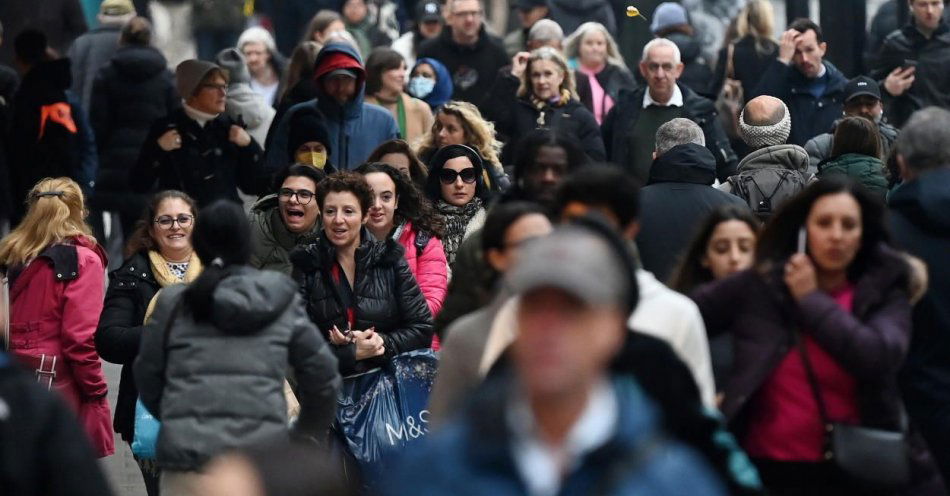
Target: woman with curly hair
(460,123)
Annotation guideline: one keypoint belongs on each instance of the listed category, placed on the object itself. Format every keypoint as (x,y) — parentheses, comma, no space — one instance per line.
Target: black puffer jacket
(932,78)
(385,292)
(516,116)
(134,90)
(131,288)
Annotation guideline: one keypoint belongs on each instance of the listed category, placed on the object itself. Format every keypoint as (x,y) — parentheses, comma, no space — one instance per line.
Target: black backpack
(765,190)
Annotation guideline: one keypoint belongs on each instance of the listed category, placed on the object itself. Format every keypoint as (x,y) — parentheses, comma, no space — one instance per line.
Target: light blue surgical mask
(421,87)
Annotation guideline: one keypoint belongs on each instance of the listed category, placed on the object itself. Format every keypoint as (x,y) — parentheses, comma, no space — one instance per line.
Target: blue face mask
(421,87)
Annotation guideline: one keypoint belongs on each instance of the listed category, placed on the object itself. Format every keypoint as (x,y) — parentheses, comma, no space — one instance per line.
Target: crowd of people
(685,268)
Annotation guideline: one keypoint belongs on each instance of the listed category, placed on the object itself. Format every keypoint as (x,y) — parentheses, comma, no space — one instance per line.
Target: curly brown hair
(346,182)
(413,205)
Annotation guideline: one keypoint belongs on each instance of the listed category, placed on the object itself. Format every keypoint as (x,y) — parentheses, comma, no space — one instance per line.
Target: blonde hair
(572,47)
(56,212)
(756,19)
(479,133)
(552,55)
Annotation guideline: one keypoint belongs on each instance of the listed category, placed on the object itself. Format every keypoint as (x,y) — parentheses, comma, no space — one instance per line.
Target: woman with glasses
(282,220)
(159,254)
(359,290)
(456,188)
(56,272)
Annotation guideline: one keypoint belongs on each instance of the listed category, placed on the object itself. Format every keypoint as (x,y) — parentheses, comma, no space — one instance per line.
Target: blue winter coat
(474,455)
(356,128)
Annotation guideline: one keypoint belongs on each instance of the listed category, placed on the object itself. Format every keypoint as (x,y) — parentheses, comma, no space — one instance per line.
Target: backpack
(765,190)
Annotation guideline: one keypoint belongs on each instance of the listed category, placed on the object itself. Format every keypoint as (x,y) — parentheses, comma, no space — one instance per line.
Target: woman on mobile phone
(820,334)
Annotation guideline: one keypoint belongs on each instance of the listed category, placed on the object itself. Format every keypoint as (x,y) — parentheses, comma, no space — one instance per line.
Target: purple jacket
(870,342)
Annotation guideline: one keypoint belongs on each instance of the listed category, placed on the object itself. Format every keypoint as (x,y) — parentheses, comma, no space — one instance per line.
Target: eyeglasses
(303,196)
(167,221)
(449,176)
(468,13)
(223,88)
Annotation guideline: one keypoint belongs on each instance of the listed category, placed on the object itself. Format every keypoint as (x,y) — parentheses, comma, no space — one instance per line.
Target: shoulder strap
(813,382)
(422,240)
(730,63)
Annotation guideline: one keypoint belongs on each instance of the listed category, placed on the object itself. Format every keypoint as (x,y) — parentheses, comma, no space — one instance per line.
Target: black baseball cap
(530,4)
(861,85)
(428,11)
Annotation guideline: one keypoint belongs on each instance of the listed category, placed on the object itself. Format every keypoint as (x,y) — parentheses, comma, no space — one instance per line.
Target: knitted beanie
(762,136)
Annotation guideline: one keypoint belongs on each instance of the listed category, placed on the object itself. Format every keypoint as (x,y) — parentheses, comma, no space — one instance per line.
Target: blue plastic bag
(383,412)
(146,432)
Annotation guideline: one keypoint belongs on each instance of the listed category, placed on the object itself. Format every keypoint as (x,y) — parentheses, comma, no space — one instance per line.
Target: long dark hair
(413,205)
(443,155)
(417,170)
(141,238)
(779,239)
(690,272)
(857,135)
(222,240)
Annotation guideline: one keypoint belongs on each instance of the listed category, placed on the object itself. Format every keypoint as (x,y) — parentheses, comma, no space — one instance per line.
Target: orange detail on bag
(60,113)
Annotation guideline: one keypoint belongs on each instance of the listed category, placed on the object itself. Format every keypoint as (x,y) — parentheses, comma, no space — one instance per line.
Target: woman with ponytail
(215,353)
(56,272)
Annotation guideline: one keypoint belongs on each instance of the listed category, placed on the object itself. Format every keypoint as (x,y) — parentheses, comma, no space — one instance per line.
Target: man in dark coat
(92,51)
(629,130)
(128,95)
(914,62)
(812,88)
(197,149)
(678,196)
(472,56)
(61,20)
(920,223)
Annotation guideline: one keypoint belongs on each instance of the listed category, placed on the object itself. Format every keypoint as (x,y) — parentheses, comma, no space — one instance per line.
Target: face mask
(316,159)
(421,87)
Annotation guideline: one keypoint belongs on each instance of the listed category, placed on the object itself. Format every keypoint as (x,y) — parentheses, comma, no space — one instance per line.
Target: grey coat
(272,240)
(219,385)
(89,53)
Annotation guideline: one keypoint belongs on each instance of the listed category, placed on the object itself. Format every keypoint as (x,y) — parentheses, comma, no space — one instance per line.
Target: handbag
(874,458)
(730,100)
(147,427)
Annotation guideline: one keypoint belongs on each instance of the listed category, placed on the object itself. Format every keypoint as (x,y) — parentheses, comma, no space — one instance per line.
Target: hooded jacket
(272,241)
(677,198)
(866,170)
(932,77)
(385,293)
(570,14)
(442,92)
(472,68)
(356,128)
(129,94)
(811,116)
(920,224)
(792,157)
(701,110)
(219,385)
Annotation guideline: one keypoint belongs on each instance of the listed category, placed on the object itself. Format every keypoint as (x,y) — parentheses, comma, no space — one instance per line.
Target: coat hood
(925,202)
(249,300)
(442,92)
(139,63)
(339,56)
(786,156)
(689,163)
(689,46)
(247,104)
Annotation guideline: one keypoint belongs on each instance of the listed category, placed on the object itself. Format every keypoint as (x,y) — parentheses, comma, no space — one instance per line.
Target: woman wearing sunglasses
(159,253)
(455,186)
(282,220)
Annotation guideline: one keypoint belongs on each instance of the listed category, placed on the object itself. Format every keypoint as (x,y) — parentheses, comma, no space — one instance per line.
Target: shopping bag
(382,413)
(146,432)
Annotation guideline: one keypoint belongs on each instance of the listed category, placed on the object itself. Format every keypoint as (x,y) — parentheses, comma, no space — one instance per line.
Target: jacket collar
(689,163)
(836,80)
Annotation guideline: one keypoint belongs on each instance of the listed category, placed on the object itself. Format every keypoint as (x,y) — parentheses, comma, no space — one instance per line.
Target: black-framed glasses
(449,176)
(167,221)
(223,88)
(303,196)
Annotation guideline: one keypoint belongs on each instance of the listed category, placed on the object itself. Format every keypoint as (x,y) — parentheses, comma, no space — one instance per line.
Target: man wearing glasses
(472,56)
(198,149)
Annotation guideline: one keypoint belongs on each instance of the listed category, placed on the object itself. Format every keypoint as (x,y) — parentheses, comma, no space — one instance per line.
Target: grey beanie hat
(762,136)
(190,73)
(234,62)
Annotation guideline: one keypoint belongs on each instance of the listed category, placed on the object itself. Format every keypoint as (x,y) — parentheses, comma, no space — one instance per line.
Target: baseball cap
(116,8)
(428,11)
(576,260)
(861,85)
(342,72)
(530,4)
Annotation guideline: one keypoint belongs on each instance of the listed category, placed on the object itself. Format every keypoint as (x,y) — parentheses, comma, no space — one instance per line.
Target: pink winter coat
(429,266)
(55,304)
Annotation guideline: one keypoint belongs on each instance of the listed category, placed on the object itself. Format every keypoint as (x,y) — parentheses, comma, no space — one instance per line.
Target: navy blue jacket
(810,116)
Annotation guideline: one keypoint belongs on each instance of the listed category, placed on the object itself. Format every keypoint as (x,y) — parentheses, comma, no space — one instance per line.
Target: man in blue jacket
(559,422)
(355,128)
(811,87)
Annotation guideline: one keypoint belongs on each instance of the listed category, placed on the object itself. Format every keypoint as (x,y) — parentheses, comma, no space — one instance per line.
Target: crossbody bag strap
(819,399)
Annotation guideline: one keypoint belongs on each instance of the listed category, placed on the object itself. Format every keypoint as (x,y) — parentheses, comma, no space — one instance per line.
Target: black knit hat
(308,125)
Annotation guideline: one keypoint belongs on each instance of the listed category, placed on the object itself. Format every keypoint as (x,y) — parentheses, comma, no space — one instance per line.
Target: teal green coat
(864,169)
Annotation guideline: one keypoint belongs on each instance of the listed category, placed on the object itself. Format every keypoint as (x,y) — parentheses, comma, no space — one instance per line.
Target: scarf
(456,221)
(539,104)
(601,101)
(198,116)
(165,276)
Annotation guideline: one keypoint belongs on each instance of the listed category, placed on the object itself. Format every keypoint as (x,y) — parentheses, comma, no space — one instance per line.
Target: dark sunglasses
(449,176)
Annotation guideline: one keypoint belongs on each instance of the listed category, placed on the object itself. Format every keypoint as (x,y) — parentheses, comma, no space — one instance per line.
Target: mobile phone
(802,239)
(908,63)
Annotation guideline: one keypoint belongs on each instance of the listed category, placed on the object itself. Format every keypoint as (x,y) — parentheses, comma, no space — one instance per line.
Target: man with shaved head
(775,169)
